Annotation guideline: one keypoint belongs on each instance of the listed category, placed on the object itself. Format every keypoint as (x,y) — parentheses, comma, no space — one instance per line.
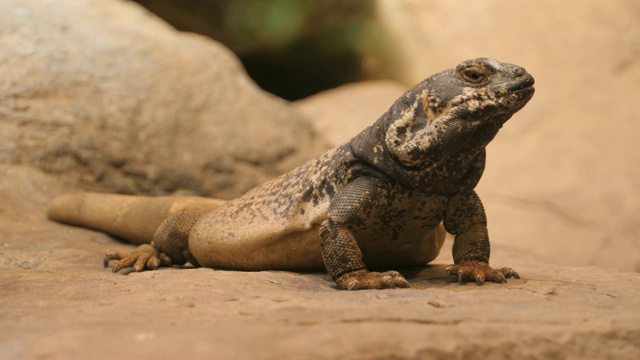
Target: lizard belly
(381,248)
(233,237)
(405,230)
(295,251)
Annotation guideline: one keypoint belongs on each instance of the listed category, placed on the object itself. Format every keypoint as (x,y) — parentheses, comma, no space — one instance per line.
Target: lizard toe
(399,280)
(509,272)
(113,255)
(479,272)
(363,279)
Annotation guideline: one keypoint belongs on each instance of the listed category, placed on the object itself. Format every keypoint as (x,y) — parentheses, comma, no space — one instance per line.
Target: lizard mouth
(521,86)
(523,93)
(525,82)
(514,100)
(519,91)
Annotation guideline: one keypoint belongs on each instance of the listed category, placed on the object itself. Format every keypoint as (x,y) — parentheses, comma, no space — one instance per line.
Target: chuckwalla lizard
(381,200)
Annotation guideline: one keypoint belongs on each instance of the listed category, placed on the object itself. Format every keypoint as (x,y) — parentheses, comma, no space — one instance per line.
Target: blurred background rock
(292,48)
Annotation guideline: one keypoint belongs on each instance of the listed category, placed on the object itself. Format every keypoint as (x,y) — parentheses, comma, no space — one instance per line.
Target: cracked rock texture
(561,189)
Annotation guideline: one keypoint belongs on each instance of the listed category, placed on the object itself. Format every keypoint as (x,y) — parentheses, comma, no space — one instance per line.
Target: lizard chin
(488,105)
(517,99)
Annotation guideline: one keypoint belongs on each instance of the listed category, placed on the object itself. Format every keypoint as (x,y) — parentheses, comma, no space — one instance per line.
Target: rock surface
(109,97)
(59,303)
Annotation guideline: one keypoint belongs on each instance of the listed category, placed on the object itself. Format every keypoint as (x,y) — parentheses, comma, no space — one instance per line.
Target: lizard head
(457,109)
(481,89)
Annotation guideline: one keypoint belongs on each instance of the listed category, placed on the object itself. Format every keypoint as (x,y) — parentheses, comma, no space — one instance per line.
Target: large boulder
(103,95)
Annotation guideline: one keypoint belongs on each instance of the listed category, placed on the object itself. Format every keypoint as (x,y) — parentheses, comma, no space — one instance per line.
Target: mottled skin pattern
(381,200)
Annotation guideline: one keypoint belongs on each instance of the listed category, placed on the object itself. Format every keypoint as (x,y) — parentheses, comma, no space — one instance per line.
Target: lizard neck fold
(459,173)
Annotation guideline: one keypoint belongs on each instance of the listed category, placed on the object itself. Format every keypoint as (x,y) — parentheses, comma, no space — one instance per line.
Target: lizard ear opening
(425,105)
(428,109)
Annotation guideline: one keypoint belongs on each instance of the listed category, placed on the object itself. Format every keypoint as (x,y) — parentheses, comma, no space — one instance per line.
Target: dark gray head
(479,84)
(455,108)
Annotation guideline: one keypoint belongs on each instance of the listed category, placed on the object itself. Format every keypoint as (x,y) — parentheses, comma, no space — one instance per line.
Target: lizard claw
(480,272)
(509,272)
(363,279)
(353,285)
(126,271)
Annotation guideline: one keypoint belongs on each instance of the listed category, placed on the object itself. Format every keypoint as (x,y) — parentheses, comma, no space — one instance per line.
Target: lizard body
(381,200)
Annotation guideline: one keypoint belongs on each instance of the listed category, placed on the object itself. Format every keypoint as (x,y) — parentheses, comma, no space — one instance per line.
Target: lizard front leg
(169,245)
(340,252)
(465,218)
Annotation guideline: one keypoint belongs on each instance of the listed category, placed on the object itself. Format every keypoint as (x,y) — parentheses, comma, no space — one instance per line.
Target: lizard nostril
(517,71)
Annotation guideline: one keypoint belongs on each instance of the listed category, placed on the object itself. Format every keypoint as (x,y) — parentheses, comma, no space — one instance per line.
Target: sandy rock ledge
(59,303)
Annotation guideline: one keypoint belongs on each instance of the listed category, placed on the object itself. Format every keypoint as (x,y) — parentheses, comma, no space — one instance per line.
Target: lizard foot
(480,272)
(363,279)
(144,257)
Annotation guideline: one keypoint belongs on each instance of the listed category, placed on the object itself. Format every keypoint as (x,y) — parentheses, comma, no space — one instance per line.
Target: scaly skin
(381,200)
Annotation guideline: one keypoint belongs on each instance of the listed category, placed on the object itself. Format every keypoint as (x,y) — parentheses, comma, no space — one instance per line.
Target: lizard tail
(134,218)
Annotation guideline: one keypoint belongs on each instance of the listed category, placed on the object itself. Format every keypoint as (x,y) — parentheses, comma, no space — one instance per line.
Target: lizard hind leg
(168,247)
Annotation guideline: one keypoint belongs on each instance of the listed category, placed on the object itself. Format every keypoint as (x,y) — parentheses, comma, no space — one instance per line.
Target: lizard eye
(473,75)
